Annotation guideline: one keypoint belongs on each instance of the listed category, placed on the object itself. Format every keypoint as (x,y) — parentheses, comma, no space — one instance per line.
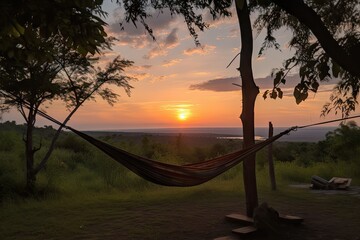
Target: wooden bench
(245,230)
(240,218)
(227,238)
(248,220)
(290,219)
(334,183)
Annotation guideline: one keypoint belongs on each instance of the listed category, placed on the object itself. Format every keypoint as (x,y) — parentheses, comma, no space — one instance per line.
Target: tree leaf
(335,69)
(280,93)
(278,76)
(314,86)
(265,94)
(273,94)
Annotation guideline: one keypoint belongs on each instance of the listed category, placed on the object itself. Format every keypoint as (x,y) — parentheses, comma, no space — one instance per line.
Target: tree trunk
(29,155)
(46,158)
(249,94)
(271,160)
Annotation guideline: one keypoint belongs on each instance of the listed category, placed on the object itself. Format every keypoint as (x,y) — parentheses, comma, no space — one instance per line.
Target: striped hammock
(174,175)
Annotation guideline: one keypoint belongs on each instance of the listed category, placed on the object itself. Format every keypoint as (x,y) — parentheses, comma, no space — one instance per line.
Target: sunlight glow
(183,114)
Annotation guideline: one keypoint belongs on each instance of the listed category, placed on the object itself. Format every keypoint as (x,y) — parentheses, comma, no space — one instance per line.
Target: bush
(10,175)
(73,143)
(7,141)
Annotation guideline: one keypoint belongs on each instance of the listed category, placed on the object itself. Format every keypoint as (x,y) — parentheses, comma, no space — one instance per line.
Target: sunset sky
(181,85)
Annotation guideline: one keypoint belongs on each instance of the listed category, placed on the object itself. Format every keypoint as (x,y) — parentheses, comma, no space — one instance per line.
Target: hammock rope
(175,175)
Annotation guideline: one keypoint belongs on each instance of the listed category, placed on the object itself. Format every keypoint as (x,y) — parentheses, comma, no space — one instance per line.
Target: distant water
(312,134)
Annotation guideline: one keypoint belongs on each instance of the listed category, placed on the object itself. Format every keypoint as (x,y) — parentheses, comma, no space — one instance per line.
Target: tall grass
(76,168)
(293,173)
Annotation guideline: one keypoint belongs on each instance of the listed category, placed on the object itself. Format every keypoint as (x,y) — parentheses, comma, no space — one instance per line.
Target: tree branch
(307,16)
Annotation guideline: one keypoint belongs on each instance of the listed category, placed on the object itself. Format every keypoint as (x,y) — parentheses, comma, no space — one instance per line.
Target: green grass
(157,212)
(292,173)
(87,195)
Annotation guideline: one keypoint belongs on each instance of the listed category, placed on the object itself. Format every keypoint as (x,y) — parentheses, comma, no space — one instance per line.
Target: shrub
(73,143)
(7,141)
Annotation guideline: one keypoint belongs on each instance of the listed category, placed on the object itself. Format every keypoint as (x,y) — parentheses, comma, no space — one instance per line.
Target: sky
(181,85)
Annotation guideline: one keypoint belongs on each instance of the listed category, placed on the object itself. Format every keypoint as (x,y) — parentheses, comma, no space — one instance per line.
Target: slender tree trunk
(249,94)
(29,155)
(271,160)
(46,158)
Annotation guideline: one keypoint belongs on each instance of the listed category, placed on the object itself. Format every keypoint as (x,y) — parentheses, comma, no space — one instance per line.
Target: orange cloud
(204,50)
(168,63)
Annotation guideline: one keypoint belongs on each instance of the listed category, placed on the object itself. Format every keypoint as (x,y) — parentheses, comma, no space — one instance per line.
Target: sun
(183,114)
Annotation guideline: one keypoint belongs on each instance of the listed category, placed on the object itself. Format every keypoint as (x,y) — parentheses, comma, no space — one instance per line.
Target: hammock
(168,174)
(174,175)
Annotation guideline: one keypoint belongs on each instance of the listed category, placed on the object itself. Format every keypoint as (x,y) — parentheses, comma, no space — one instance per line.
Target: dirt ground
(327,217)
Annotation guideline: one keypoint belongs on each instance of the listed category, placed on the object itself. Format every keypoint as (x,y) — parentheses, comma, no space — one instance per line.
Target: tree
(338,54)
(46,68)
(326,39)
(249,93)
(138,11)
(343,143)
(78,22)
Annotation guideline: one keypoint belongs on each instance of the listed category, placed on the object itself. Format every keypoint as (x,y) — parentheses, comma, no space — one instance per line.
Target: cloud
(233,33)
(172,39)
(134,41)
(141,76)
(202,73)
(155,79)
(172,107)
(151,78)
(164,45)
(226,84)
(235,50)
(204,50)
(136,36)
(140,68)
(168,63)
(215,23)
(139,72)
(155,52)
(217,85)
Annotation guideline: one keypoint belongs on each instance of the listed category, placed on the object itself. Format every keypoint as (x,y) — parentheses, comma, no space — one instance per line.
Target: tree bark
(271,160)
(307,16)
(29,153)
(249,94)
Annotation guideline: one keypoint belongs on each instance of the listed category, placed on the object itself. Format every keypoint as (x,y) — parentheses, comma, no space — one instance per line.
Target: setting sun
(183,114)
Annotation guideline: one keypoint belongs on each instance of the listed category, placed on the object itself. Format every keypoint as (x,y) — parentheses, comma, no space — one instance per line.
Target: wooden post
(271,161)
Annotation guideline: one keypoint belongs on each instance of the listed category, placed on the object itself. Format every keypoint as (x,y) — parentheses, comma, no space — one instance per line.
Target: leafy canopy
(78,22)
(315,65)
(137,11)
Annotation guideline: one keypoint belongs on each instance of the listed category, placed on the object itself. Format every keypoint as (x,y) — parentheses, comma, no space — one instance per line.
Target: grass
(162,212)
(66,217)
(89,196)
(290,172)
